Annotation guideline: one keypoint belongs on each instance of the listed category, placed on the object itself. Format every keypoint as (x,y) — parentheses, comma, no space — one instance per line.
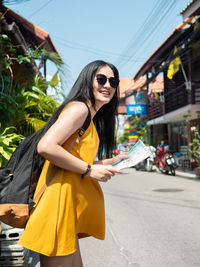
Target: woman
(72,207)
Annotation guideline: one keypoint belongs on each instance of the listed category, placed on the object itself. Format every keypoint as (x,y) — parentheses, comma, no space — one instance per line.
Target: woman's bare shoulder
(79,105)
(76,109)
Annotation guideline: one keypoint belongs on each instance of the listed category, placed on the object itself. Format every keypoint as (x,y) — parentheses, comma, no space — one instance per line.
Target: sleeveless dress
(69,206)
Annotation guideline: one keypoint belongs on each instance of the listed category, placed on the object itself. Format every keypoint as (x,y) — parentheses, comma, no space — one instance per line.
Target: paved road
(152,220)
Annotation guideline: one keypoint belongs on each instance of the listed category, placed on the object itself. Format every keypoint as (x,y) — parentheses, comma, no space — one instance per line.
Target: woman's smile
(104,91)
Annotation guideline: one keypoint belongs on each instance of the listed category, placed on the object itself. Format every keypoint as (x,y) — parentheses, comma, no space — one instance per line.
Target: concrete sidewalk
(187,174)
(183,173)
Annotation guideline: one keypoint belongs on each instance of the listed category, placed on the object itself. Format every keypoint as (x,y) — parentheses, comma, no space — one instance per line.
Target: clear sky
(124,33)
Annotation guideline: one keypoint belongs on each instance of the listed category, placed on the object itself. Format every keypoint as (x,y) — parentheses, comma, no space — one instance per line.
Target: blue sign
(137,109)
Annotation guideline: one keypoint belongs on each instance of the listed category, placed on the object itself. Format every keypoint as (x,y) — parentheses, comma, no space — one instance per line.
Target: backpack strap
(76,139)
(81,130)
(86,123)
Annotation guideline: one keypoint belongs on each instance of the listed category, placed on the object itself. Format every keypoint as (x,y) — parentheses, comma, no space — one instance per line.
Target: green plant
(33,109)
(123,138)
(8,143)
(24,102)
(194,146)
(139,127)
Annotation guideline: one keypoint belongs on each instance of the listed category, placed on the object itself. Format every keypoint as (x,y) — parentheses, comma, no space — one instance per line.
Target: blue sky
(112,30)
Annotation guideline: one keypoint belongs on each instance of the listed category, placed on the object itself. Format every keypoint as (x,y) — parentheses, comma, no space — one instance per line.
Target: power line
(39,9)
(153,21)
(13,2)
(95,51)
(151,33)
(141,31)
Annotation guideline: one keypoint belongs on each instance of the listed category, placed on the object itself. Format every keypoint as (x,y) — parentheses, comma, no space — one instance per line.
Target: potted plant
(194,147)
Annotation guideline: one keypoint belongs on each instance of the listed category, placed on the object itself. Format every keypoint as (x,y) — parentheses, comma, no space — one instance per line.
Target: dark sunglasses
(102,79)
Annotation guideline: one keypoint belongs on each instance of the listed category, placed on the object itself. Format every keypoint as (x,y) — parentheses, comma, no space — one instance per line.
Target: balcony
(155,110)
(175,99)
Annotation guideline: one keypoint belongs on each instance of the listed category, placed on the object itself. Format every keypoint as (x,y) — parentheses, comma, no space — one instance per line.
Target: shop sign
(137,109)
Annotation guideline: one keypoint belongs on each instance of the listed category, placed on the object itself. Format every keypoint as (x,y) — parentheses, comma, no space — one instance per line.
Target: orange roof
(128,84)
(33,35)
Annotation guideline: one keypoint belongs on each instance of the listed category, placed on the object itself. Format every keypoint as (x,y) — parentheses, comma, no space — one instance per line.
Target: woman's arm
(50,145)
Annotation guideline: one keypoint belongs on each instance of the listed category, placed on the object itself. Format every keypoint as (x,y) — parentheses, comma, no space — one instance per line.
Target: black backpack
(19,179)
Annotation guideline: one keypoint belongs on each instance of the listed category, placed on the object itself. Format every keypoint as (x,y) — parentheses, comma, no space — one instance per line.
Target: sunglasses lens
(101,79)
(113,82)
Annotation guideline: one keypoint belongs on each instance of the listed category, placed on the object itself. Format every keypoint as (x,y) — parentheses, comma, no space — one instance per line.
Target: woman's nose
(107,84)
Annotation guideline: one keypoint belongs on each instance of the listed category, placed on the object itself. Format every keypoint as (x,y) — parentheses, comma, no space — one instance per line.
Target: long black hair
(104,119)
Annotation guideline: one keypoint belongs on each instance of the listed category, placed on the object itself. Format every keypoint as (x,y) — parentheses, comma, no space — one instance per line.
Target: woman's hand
(117,158)
(102,173)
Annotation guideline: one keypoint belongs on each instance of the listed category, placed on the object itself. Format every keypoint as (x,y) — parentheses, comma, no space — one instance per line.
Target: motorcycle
(165,161)
(147,164)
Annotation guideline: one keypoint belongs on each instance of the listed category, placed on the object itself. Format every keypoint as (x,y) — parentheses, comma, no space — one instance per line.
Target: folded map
(137,153)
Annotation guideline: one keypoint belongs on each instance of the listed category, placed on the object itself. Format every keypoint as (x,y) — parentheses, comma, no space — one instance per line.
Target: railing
(176,98)
(155,110)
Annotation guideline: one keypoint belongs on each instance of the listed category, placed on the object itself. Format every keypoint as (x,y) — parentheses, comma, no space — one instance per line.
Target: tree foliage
(8,143)
(24,102)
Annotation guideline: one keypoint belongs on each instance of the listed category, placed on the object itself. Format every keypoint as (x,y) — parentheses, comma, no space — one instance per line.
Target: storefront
(178,136)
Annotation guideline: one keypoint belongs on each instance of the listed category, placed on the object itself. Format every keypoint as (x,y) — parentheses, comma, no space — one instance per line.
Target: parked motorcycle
(165,161)
(147,164)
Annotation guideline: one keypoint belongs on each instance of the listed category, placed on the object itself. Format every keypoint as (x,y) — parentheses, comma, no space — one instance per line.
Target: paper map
(137,153)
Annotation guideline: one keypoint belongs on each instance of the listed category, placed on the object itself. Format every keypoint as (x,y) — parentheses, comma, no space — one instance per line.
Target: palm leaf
(52,56)
(54,81)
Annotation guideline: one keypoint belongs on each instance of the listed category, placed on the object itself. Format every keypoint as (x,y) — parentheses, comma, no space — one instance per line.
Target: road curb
(186,174)
(190,175)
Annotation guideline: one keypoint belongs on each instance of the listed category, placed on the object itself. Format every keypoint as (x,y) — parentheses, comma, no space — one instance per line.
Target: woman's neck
(93,109)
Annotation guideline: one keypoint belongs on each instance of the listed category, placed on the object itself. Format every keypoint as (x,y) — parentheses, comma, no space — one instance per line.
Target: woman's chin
(104,100)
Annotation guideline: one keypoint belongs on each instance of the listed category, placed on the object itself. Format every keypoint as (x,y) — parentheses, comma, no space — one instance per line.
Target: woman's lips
(104,92)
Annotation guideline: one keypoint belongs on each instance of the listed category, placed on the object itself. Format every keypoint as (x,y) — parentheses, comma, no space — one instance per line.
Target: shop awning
(189,111)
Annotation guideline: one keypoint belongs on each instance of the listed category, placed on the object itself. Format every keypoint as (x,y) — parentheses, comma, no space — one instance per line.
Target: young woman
(72,206)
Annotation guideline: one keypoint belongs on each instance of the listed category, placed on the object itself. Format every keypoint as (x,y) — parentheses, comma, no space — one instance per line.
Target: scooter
(165,162)
(147,164)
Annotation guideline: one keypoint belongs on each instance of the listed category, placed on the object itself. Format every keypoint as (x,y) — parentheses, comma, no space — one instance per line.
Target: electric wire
(135,46)
(153,32)
(95,51)
(150,35)
(158,6)
(122,58)
(144,28)
(150,26)
(39,9)
(13,2)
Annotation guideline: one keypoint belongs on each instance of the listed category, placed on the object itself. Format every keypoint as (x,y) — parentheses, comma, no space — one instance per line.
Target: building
(25,36)
(133,101)
(177,59)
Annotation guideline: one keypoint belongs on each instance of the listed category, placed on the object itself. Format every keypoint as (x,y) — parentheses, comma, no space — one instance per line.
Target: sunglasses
(102,79)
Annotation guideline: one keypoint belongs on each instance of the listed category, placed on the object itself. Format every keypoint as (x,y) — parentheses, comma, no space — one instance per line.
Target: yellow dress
(69,206)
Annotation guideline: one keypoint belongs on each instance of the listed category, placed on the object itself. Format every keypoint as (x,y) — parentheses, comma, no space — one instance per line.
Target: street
(152,220)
